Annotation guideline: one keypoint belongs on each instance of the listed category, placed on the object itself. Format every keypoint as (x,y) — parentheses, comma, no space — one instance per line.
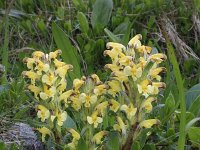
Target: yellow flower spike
(64,96)
(43,113)
(158,58)
(45,94)
(62,71)
(58,63)
(44,131)
(145,88)
(97,138)
(147,104)
(36,90)
(114,105)
(38,54)
(31,75)
(77,83)
(87,99)
(96,79)
(144,49)
(94,119)
(54,55)
(74,133)
(101,108)
(61,117)
(129,110)
(114,87)
(135,42)
(154,73)
(119,75)
(100,89)
(133,71)
(121,127)
(142,62)
(29,62)
(149,123)
(156,86)
(49,78)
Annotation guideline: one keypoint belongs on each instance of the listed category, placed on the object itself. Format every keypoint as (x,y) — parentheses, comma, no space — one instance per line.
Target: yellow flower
(36,90)
(87,99)
(121,127)
(112,67)
(156,86)
(126,61)
(149,123)
(119,75)
(154,73)
(62,71)
(135,42)
(147,104)
(47,93)
(142,62)
(45,131)
(29,61)
(94,119)
(76,103)
(144,49)
(74,133)
(114,87)
(114,54)
(73,144)
(38,54)
(158,58)
(129,110)
(100,89)
(145,88)
(114,105)
(58,63)
(31,75)
(96,79)
(43,113)
(49,78)
(54,55)
(77,83)
(40,66)
(64,96)
(101,108)
(61,117)
(97,138)
(110,45)
(133,71)
(62,85)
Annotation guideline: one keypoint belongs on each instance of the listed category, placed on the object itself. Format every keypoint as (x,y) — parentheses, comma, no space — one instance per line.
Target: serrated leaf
(112,37)
(69,53)
(101,13)
(83,22)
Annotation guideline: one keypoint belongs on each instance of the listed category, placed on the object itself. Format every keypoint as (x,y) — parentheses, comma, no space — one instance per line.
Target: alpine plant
(121,104)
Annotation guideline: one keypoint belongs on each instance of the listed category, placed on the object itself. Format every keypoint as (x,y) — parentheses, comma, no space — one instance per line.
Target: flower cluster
(117,105)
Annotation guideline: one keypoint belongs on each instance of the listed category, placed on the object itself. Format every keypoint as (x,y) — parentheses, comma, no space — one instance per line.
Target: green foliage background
(82,29)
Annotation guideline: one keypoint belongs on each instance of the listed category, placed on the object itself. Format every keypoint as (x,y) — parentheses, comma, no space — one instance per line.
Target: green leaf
(82,145)
(126,36)
(101,14)
(2,145)
(169,104)
(149,147)
(112,37)
(69,123)
(83,22)
(69,53)
(194,108)
(135,146)
(112,142)
(79,4)
(194,133)
(191,123)
(192,95)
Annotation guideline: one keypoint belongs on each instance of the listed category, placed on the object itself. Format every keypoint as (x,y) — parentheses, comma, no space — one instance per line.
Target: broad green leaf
(135,146)
(82,145)
(192,94)
(69,53)
(69,123)
(194,134)
(112,142)
(191,123)
(79,4)
(83,22)
(169,104)
(126,36)
(121,28)
(2,145)
(195,106)
(112,37)
(101,13)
